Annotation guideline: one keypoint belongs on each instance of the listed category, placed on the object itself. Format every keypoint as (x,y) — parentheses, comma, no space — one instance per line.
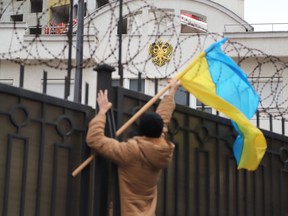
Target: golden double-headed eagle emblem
(160,52)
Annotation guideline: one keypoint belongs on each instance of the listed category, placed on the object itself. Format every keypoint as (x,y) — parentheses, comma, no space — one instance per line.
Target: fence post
(86,93)
(44,90)
(102,165)
(79,53)
(283,126)
(67,87)
(271,122)
(156,86)
(139,84)
(21,80)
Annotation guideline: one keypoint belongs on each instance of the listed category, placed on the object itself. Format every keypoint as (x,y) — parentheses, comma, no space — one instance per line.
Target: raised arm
(96,139)
(167,105)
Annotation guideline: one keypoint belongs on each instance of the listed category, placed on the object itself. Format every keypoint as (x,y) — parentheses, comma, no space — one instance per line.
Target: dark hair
(150,125)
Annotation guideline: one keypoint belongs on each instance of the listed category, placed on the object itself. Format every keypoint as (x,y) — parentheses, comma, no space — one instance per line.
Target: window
(193,22)
(203,107)
(60,14)
(102,2)
(7,81)
(17,18)
(182,96)
(115,82)
(131,25)
(75,10)
(56,88)
(134,85)
(161,22)
(123,29)
(36,6)
(35,30)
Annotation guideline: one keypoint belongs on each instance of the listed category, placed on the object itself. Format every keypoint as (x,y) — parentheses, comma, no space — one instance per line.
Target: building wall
(237,6)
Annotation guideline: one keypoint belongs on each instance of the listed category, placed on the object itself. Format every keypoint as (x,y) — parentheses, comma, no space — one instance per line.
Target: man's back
(138,178)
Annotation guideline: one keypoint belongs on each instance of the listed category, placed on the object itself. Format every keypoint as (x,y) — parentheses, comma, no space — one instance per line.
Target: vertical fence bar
(197,189)
(54,176)
(86,93)
(202,107)
(257,118)
(165,187)
(176,181)
(79,53)
(44,90)
(187,97)
(217,167)
(114,169)
(186,143)
(69,34)
(283,126)
(7,177)
(271,122)
(42,139)
(66,87)
(21,80)
(120,28)
(156,86)
(24,177)
(139,86)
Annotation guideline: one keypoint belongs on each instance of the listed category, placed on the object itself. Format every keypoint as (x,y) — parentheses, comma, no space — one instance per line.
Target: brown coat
(139,160)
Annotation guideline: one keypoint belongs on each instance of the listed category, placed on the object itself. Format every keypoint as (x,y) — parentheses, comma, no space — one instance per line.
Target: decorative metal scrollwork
(202,134)
(64,126)
(283,153)
(19,115)
(160,52)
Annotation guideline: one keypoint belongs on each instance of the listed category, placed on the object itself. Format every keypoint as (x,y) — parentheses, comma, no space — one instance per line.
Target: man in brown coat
(139,159)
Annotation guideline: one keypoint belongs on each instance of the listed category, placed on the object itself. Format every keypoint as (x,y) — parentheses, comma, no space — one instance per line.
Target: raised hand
(103,102)
(174,86)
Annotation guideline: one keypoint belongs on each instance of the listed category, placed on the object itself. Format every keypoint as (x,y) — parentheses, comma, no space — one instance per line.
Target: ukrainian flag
(217,81)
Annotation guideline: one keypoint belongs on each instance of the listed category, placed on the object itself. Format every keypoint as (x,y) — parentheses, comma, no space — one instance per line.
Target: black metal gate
(41,140)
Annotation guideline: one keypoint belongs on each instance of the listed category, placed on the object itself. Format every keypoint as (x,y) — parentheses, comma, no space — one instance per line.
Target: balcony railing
(257,27)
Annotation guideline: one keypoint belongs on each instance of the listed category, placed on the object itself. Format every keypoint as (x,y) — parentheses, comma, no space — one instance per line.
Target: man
(139,159)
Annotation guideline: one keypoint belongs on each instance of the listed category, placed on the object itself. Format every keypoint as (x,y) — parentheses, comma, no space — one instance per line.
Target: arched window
(131,24)
(193,22)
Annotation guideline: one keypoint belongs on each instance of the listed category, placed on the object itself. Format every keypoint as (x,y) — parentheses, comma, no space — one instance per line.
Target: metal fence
(42,139)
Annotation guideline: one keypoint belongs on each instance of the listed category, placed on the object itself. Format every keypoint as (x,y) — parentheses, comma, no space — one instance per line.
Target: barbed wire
(268,74)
